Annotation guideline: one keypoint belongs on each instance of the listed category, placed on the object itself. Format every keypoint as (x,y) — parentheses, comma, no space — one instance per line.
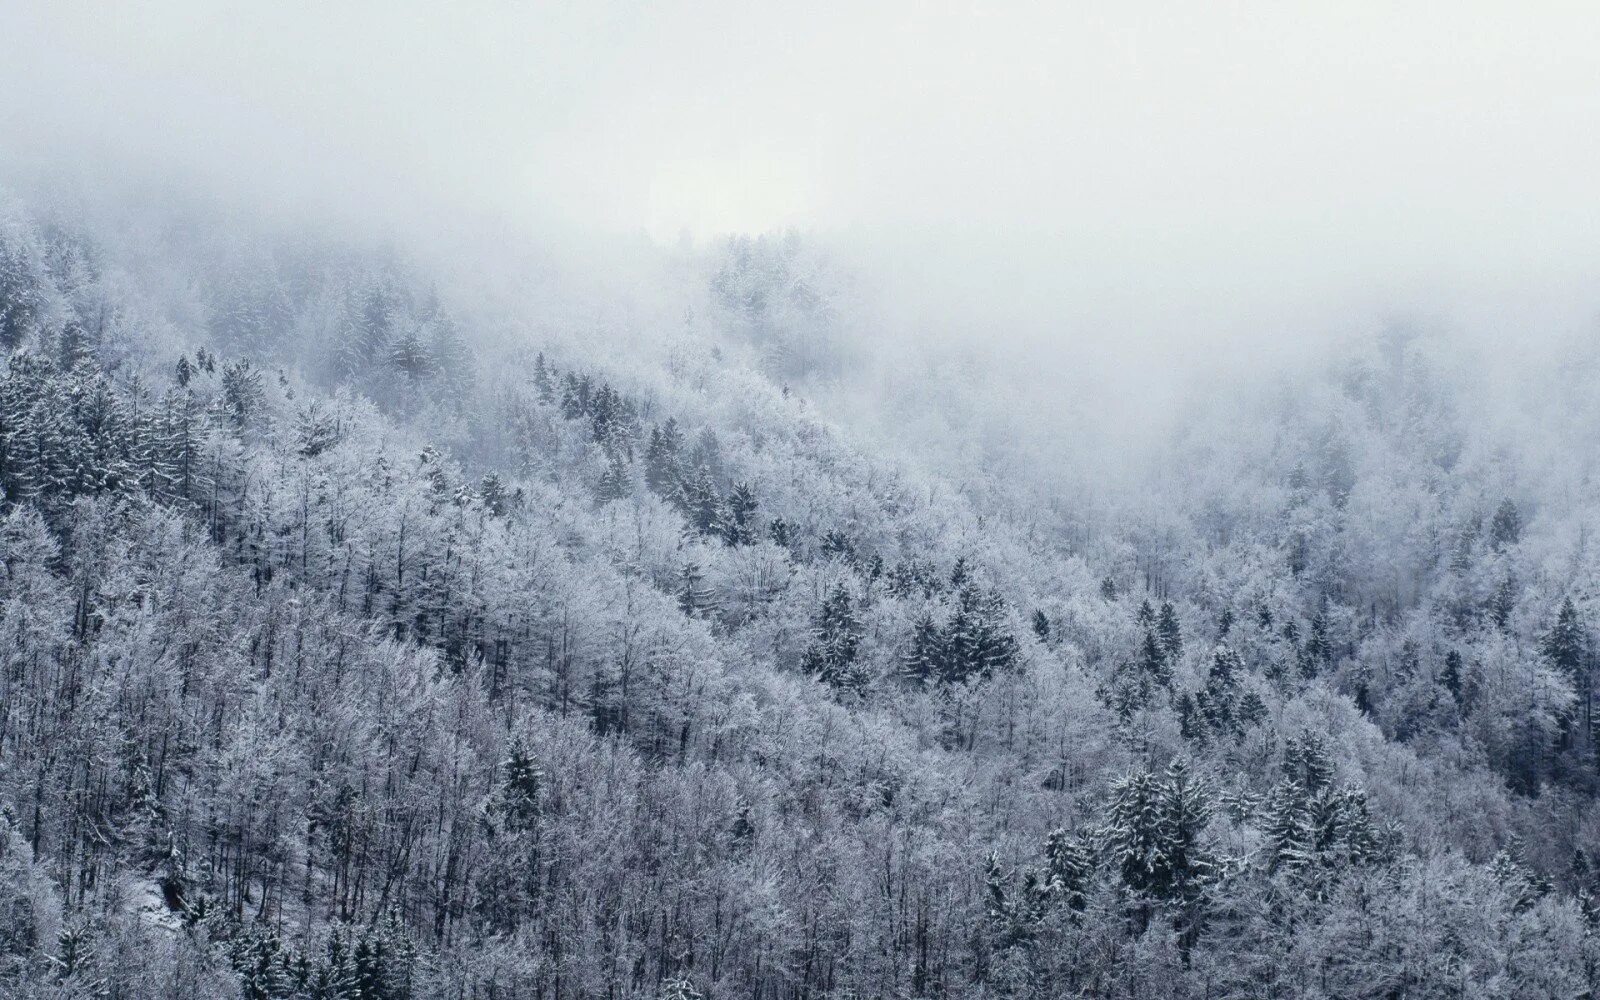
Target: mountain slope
(352,649)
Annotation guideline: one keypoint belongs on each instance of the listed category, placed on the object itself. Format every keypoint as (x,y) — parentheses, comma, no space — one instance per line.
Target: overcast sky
(1174,171)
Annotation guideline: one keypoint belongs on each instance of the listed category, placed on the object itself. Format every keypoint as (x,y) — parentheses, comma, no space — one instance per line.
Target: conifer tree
(615,483)
(975,640)
(780,534)
(241,392)
(409,356)
(1069,865)
(1170,633)
(702,504)
(1041,626)
(1153,661)
(1505,529)
(661,463)
(1132,833)
(1224,623)
(1318,650)
(1184,866)
(924,661)
(543,380)
(1286,830)
(1252,709)
(695,599)
(1450,677)
(835,641)
(1564,645)
(739,526)
(1503,602)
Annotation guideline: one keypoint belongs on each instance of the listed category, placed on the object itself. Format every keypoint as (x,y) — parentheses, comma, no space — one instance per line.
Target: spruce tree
(492,490)
(702,504)
(1450,677)
(1170,633)
(1505,528)
(1564,644)
(1503,602)
(1132,832)
(739,526)
(543,381)
(662,472)
(924,661)
(780,533)
(615,482)
(976,642)
(1318,650)
(1184,867)
(695,599)
(835,641)
(1286,832)
(1153,661)
(518,802)
(1069,866)
(1041,626)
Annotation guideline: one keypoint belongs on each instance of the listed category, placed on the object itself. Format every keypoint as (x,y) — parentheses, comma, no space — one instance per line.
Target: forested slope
(349,648)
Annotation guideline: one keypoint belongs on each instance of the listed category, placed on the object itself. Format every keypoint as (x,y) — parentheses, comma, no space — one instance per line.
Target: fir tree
(520,790)
(1041,626)
(1505,528)
(1286,832)
(493,492)
(924,661)
(739,527)
(1503,602)
(1252,710)
(315,431)
(1132,833)
(1170,633)
(702,504)
(837,545)
(835,641)
(1183,867)
(1069,866)
(779,532)
(410,357)
(241,392)
(695,599)
(662,472)
(335,978)
(1318,651)
(615,483)
(1564,645)
(1264,618)
(1450,677)
(543,382)
(1153,661)
(975,640)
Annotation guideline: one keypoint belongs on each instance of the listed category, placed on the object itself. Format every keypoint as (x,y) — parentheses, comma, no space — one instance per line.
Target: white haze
(1129,198)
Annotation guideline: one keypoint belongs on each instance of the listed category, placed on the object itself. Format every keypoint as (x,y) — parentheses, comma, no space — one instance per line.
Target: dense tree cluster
(343,655)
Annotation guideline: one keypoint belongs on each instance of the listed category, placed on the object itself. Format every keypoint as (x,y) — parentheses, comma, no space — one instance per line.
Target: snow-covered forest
(351,651)
(551,502)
